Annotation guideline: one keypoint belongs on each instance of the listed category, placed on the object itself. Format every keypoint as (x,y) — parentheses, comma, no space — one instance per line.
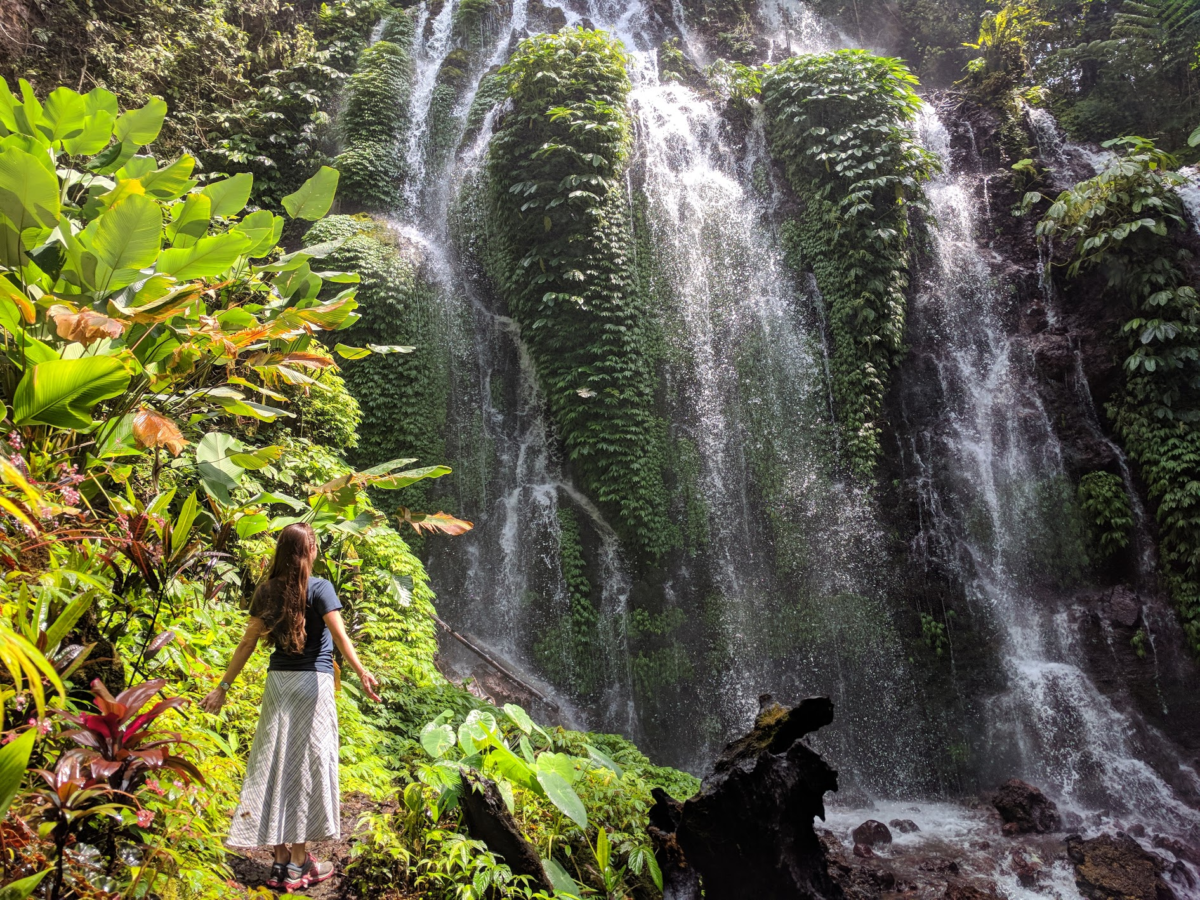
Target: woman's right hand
(214,701)
(370,684)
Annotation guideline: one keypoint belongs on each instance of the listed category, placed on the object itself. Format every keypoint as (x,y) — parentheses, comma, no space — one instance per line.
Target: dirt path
(254,867)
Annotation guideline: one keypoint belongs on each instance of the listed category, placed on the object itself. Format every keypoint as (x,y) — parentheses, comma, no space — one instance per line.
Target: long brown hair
(280,600)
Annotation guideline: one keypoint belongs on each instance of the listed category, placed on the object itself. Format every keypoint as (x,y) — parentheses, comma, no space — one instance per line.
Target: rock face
(1025,809)
(749,831)
(1116,867)
(680,881)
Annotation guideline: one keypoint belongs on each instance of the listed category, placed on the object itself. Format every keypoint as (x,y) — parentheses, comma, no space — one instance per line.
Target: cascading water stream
(748,389)
(995,485)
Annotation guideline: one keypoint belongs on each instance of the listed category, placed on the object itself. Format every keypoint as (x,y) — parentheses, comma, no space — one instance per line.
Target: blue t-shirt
(318,642)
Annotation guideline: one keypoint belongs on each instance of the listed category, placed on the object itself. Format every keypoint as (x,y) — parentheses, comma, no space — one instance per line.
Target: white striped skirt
(291,789)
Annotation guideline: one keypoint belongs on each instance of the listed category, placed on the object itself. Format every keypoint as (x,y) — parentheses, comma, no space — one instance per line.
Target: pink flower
(144,818)
(14,440)
(20,701)
(153,785)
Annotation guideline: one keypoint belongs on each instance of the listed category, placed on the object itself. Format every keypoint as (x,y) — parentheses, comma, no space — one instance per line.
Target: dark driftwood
(749,831)
(487,819)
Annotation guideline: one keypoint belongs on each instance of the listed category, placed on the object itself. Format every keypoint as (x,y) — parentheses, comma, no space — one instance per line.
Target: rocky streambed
(751,833)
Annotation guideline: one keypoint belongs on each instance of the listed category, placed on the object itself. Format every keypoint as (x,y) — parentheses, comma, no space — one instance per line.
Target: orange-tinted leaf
(152,429)
(84,326)
(443,522)
(310,360)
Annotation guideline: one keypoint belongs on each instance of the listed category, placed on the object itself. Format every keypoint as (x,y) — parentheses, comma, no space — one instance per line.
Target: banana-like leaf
(128,235)
(561,794)
(230,195)
(443,522)
(63,392)
(28,192)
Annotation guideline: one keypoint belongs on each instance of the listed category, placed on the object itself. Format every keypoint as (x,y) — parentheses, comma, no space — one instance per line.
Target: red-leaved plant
(123,748)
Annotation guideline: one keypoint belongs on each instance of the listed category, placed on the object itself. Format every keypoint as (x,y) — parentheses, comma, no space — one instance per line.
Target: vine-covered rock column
(840,124)
(564,266)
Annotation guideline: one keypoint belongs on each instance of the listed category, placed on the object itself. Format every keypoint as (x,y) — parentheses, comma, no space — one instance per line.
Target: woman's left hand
(370,683)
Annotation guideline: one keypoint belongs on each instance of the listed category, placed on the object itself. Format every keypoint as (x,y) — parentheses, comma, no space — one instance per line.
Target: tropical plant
(1003,36)
(1123,223)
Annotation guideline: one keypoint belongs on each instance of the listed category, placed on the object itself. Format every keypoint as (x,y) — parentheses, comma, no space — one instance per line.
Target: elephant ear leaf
(315,196)
(63,392)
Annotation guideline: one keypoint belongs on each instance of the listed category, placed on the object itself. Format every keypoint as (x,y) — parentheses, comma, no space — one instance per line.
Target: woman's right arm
(216,697)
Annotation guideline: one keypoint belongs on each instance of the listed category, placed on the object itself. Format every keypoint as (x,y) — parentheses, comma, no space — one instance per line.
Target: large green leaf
(129,235)
(207,258)
(560,879)
(94,136)
(62,115)
(28,191)
(437,739)
(170,182)
(562,795)
(141,126)
(315,196)
(62,392)
(189,220)
(14,759)
(229,196)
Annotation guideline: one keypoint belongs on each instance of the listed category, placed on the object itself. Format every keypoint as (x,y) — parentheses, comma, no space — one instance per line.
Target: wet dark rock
(1025,809)
(1026,867)
(864,851)
(1124,607)
(1137,830)
(680,880)
(1115,867)
(904,826)
(967,892)
(1179,849)
(1180,874)
(749,831)
(871,833)
(487,819)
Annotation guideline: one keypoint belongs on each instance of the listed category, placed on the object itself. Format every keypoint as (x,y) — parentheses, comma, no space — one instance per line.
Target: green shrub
(841,125)
(561,223)
(1106,504)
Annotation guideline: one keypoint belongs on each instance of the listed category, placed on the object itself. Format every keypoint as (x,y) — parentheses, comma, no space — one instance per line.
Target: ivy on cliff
(402,396)
(841,125)
(561,219)
(1124,224)
(374,119)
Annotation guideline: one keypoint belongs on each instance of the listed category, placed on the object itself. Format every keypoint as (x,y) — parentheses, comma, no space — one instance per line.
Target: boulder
(1115,867)
(749,831)
(904,826)
(1025,809)
(871,834)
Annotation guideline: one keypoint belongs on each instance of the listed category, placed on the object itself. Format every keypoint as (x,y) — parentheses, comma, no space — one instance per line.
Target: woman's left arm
(337,628)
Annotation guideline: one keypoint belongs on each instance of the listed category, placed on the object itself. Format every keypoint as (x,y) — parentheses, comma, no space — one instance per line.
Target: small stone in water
(862,851)
(871,833)
(904,826)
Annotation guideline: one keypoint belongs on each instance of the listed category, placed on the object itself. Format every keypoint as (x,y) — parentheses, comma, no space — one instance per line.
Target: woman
(290,795)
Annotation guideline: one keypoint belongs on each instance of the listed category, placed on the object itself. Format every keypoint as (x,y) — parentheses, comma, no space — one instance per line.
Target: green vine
(403,396)
(561,221)
(841,124)
(1123,223)
(1106,505)
(375,119)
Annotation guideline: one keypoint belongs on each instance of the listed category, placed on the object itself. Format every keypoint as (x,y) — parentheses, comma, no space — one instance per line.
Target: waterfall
(998,515)
(786,582)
